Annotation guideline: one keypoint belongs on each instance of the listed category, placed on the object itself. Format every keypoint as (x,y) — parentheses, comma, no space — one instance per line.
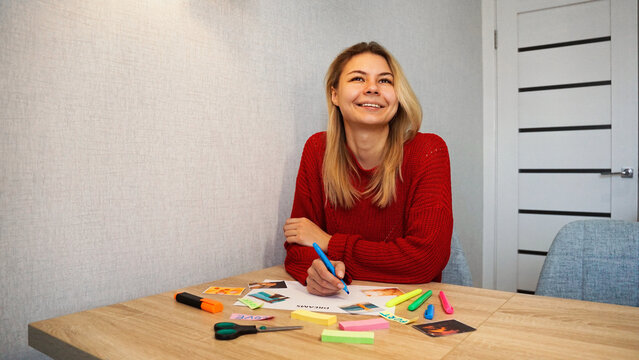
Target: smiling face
(365,93)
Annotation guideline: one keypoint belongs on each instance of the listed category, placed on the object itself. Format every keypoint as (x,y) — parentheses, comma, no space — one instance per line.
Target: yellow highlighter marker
(400,299)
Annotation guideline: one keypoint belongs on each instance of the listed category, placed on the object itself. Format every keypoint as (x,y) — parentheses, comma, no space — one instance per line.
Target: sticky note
(350,337)
(399,319)
(317,318)
(364,325)
(252,304)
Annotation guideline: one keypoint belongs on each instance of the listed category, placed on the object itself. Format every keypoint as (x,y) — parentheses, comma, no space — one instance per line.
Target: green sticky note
(350,337)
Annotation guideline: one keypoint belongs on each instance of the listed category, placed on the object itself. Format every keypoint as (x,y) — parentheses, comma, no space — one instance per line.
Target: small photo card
(443,328)
(224,290)
(359,308)
(383,292)
(268,297)
(268,285)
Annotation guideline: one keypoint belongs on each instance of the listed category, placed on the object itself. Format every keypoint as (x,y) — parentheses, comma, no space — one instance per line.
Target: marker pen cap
(430,312)
(211,306)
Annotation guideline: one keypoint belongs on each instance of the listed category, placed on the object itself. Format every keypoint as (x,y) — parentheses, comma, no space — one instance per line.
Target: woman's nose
(371,88)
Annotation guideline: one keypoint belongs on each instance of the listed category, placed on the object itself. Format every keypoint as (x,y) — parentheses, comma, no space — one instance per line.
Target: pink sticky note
(364,325)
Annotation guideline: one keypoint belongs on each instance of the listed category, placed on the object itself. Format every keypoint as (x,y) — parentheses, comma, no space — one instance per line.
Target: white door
(566,113)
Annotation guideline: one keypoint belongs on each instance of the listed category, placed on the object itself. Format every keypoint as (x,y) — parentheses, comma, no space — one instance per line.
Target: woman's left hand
(304,232)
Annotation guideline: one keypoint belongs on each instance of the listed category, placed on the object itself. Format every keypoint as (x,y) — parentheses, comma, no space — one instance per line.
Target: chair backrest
(594,260)
(457,271)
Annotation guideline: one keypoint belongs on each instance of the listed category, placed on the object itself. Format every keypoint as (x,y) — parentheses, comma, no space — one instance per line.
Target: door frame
(493,219)
(489,69)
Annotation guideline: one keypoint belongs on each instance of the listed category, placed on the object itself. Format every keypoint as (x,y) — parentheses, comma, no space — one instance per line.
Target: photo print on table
(268,297)
(217,290)
(383,292)
(268,285)
(443,328)
(359,308)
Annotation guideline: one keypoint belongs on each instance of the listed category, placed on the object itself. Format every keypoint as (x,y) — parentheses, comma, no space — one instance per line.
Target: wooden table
(509,326)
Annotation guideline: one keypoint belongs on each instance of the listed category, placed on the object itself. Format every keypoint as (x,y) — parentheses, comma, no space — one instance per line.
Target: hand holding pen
(325,277)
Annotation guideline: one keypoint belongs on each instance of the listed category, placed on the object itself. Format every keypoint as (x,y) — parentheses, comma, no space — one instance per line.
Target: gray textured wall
(150,145)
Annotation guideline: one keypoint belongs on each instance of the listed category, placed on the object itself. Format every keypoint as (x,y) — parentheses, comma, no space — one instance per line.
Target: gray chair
(457,271)
(594,260)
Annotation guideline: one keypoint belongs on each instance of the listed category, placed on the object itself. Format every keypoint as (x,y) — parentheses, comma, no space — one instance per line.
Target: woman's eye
(386,81)
(357,78)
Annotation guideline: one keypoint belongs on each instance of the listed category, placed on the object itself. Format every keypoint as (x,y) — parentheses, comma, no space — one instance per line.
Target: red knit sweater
(405,242)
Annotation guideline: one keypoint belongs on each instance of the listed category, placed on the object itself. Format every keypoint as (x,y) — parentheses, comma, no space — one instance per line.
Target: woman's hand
(304,232)
(321,282)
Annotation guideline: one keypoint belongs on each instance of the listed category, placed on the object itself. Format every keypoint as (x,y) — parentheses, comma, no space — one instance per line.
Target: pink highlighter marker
(445,304)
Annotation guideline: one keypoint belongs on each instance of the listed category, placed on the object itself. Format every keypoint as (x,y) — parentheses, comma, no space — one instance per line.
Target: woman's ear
(334,96)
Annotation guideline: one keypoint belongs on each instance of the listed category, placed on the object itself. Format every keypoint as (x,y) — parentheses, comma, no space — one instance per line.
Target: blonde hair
(339,167)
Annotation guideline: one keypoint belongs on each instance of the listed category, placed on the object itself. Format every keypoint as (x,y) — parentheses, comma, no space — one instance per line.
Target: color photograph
(443,328)
(383,292)
(223,290)
(360,307)
(268,284)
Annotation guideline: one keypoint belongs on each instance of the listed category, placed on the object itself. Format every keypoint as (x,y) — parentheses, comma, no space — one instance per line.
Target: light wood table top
(508,325)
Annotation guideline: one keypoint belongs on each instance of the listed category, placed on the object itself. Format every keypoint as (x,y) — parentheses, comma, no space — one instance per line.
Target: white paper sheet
(300,299)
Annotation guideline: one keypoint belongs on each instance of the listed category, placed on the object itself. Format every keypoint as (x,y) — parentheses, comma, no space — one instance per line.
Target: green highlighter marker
(417,303)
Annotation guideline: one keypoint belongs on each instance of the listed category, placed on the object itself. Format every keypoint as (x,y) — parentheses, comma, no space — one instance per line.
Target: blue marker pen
(430,312)
(328,264)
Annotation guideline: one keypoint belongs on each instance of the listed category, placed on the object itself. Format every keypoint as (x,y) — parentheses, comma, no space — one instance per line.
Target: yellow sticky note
(317,318)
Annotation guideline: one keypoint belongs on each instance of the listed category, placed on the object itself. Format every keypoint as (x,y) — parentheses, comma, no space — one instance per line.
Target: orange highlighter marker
(209,305)
(445,304)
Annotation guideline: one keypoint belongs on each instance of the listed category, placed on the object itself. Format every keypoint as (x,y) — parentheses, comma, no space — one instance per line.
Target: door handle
(626,172)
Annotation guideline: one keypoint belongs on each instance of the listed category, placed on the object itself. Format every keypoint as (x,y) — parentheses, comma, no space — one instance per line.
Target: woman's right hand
(321,282)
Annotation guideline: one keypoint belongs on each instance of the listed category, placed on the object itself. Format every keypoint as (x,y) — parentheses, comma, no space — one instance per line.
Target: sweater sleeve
(420,255)
(308,202)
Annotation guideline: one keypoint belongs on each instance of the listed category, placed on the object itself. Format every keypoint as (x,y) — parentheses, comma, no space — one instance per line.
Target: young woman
(371,191)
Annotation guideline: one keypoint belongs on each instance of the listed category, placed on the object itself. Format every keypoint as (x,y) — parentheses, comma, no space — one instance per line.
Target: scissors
(229,330)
